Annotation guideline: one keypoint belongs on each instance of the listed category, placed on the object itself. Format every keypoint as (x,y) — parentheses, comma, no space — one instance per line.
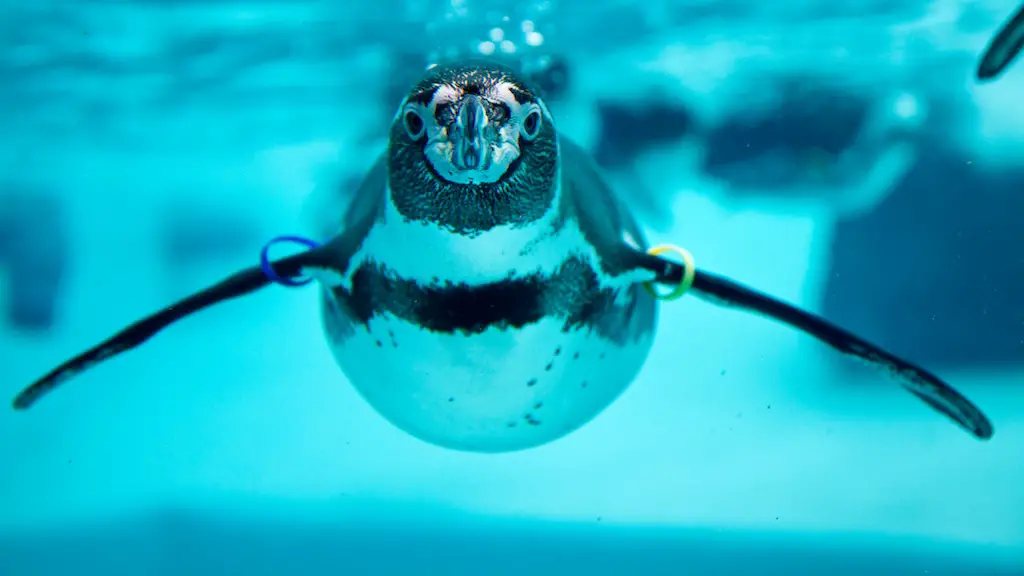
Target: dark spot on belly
(576,356)
(511,424)
(391,335)
(558,351)
(531,382)
(601,357)
(531,420)
(548,367)
(538,405)
(584,384)
(451,399)
(379,344)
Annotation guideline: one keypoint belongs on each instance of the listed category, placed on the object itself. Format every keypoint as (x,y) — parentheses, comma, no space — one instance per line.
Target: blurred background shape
(35,250)
(935,271)
(193,232)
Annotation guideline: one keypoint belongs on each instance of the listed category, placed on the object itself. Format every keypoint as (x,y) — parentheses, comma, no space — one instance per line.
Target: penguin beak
(471,151)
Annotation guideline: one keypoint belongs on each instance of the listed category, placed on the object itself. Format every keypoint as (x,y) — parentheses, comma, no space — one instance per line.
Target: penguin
(485,290)
(1003,48)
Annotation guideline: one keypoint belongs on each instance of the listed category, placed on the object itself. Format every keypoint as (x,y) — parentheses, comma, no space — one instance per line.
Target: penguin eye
(531,124)
(413,123)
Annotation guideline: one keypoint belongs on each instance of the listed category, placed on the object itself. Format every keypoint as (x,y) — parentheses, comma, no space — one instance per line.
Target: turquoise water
(841,158)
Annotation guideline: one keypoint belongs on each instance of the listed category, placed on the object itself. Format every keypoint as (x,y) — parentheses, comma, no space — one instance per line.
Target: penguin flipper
(336,206)
(604,218)
(923,384)
(339,198)
(1004,48)
(236,285)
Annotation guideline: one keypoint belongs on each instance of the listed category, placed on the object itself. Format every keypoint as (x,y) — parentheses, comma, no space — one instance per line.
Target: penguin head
(473,147)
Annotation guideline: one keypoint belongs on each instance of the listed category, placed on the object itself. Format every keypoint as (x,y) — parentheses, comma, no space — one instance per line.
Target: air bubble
(485,48)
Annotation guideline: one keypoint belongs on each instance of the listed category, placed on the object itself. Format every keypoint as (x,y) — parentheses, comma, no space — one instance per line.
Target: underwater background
(838,155)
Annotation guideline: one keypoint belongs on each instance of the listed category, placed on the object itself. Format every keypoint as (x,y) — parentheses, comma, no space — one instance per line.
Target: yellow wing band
(688,274)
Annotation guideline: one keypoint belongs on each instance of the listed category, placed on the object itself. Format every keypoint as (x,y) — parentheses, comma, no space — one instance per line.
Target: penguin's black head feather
(471,148)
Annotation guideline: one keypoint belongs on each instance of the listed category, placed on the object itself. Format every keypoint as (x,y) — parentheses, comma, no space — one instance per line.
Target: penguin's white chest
(469,371)
(500,390)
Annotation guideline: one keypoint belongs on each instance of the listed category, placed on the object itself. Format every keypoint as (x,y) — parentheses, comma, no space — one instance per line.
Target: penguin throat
(471,209)
(524,197)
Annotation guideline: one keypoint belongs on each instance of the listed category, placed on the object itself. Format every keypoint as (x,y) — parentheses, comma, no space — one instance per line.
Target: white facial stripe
(545,112)
(444,95)
(502,91)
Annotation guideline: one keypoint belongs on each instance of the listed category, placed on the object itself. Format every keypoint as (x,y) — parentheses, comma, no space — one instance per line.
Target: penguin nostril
(470,158)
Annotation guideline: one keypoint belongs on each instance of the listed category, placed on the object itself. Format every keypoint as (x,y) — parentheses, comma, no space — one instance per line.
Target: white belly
(501,390)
